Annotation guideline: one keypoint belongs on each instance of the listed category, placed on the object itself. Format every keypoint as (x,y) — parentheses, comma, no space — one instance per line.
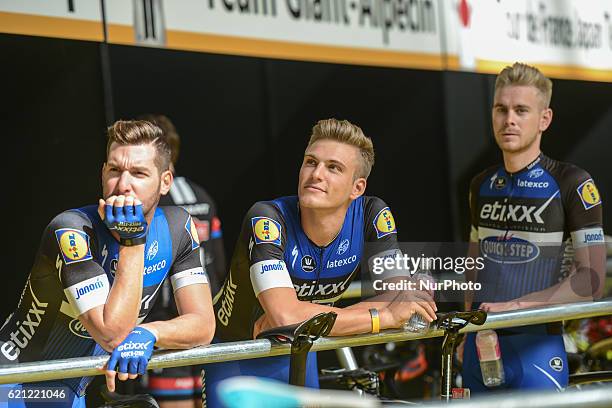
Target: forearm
(121,309)
(183,332)
(348,321)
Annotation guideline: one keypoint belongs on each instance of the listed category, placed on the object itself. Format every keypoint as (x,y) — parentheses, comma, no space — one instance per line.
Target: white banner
(565,38)
(77,19)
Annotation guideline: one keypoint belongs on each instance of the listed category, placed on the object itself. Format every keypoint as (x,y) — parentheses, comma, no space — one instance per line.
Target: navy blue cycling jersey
(273,251)
(73,272)
(528,224)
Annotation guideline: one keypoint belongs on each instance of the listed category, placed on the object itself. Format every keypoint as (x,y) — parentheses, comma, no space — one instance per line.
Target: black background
(244,123)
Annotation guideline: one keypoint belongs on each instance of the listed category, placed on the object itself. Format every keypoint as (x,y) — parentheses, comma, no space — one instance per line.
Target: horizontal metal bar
(77,367)
(596,397)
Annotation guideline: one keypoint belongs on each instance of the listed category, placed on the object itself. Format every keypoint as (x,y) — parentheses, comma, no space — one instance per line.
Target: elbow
(203,336)
(283,318)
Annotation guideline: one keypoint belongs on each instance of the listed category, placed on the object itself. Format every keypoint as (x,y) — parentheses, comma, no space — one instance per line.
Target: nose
(125,183)
(510,118)
(317,173)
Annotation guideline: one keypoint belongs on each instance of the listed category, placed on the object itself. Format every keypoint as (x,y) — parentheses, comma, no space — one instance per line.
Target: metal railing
(592,398)
(86,366)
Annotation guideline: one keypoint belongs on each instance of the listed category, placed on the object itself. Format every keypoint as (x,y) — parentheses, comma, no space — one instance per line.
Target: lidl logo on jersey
(74,245)
(193,233)
(384,223)
(266,230)
(589,195)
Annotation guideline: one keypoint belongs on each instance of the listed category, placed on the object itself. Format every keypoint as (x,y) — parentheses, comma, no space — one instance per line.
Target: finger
(109,213)
(110,380)
(129,201)
(120,201)
(133,376)
(133,368)
(111,200)
(138,209)
(122,376)
(111,364)
(101,205)
(137,201)
(426,311)
(123,367)
(142,365)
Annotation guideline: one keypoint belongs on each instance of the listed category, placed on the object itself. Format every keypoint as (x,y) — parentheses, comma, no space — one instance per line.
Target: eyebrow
(138,167)
(501,105)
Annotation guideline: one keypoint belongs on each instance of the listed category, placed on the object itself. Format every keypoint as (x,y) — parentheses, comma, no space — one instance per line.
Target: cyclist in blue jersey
(296,256)
(98,271)
(538,224)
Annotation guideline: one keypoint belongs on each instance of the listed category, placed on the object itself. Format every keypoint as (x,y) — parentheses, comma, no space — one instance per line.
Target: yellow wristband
(375,321)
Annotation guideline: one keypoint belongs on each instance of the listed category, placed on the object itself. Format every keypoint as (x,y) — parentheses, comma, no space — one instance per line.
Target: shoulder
(74,218)
(566,174)
(373,204)
(269,209)
(174,214)
(479,178)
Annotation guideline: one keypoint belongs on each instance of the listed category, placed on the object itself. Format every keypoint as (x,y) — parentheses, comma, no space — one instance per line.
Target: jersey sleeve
(187,266)
(380,239)
(265,235)
(70,239)
(583,207)
(473,203)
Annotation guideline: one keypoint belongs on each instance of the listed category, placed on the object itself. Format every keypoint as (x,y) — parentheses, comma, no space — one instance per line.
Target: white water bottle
(417,323)
(489,355)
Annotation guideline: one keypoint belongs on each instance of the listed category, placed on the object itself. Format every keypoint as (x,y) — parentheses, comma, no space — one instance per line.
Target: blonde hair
(344,131)
(525,75)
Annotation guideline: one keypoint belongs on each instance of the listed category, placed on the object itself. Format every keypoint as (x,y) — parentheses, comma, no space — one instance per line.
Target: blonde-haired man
(297,255)
(538,223)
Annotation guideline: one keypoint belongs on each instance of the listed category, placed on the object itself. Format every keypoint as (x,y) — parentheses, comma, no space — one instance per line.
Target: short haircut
(345,132)
(520,74)
(140,132)
(170,133)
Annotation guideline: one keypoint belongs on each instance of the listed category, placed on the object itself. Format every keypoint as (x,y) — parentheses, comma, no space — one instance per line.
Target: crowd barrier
(86,366)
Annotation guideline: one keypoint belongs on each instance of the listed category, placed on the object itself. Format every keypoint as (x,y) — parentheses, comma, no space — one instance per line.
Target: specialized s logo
(343,247)
(153,249)
(266,230)
(384,223)
(589,195)
(74,245)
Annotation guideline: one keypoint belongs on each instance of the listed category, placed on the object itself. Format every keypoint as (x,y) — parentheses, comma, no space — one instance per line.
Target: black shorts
(175,383)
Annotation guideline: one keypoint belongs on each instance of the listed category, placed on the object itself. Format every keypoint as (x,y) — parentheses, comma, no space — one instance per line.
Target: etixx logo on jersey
(266,230)
(74,245)
(589,195)
(384,223)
